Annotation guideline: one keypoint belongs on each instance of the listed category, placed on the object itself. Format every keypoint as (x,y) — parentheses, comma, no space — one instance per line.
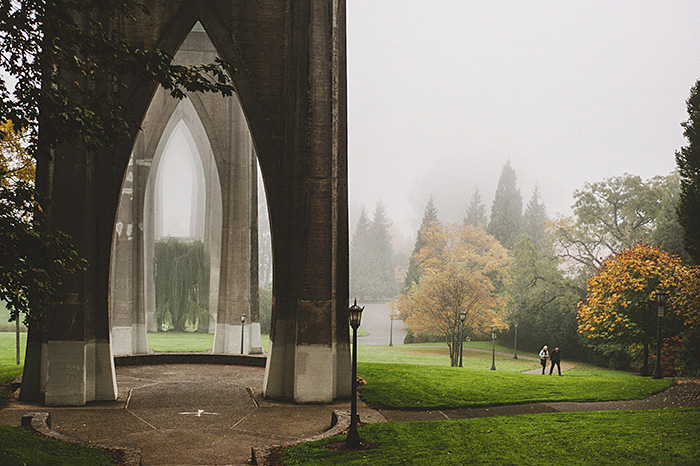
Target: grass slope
(412,386)
(668,437)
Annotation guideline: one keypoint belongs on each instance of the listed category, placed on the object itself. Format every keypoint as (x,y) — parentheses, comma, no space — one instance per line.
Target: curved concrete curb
(40,423)
(191,358)
(340,422)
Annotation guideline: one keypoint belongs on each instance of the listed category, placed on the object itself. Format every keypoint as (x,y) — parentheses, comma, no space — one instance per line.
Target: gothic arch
(288,65)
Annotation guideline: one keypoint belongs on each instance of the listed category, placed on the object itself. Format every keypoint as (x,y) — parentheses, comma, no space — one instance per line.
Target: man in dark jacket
(555,357)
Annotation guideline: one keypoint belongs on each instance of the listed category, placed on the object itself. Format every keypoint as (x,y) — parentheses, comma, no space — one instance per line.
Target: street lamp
(353,438)
(515,344)
(462,317)
(391,331)
(243,316)
(493,351)
(661,300)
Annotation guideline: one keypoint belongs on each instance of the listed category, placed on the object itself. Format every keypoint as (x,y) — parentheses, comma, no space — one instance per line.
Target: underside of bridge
(289,69)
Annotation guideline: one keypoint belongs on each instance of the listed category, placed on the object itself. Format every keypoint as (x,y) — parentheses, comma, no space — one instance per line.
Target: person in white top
(544,354)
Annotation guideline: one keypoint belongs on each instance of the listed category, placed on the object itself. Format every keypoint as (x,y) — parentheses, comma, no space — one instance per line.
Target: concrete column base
(315,373)
(131,339)
(227,339)
(77,372)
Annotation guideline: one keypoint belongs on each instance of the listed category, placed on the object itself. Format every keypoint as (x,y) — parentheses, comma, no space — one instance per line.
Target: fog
(441,94)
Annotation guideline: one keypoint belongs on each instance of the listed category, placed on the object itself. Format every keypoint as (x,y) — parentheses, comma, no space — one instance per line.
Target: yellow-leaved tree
(463,269)
(620,310)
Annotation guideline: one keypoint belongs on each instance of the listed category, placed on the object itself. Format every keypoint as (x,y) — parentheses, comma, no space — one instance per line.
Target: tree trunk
(645,362)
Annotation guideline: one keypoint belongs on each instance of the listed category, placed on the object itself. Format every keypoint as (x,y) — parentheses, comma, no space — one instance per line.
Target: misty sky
(442,93)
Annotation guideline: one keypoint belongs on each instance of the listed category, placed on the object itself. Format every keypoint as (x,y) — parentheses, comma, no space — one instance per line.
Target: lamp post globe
(354,316)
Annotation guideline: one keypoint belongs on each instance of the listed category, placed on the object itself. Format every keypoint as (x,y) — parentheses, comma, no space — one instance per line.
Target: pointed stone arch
(288,67)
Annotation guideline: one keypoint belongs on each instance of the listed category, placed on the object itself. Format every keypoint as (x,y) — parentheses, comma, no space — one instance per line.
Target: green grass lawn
(653,437)
(19,447)
(169,342)
(8,360)
(439,355)
(413,386)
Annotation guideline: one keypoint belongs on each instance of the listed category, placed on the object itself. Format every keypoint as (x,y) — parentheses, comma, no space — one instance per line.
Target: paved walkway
(189,414)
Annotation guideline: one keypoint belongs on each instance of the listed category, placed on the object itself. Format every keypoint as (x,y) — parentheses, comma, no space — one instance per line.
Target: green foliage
(668,233)
(32,262)
(542,301)
(45,43)
(360,259)
(688,162)
(534,220)
(631,438)
(405,386)
(19,447)
(430,218)
(265,306)
(507,209)
(476,212)
(181,282)
(609,216)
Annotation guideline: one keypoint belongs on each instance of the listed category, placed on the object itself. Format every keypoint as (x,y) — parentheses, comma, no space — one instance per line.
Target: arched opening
(191,188)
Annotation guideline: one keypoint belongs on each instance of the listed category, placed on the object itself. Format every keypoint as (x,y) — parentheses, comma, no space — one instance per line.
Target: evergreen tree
(430,218)
(360,258)
(688,161)
(668,234)
(476,212)
(507,209)
(381,274)
(534,220)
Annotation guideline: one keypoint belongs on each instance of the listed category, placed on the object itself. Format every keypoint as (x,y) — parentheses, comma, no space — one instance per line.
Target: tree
(32,262)
(668,233)
(181,282)
(60,56)
(609,216)
(360,258)
(688,162)
(507,209)
(620,310)
(430,218)
(542,299)
(44,42)
(382,283)
(476,212)
(534,220)
(463,269)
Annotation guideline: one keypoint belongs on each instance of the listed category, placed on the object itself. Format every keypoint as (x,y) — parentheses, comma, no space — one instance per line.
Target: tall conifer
(688,161)
(534,218)
(476,212)
(507,209)
(430,218)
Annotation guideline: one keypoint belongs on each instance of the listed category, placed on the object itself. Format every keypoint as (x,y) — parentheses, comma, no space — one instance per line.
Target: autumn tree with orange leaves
(620,309)
(463,269)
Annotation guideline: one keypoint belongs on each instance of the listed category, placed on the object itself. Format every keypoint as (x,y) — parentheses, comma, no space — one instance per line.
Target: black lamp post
(661,300)
(243,316)
(462,317)
(515,344)
(493,351)
(391,331)
(353,438)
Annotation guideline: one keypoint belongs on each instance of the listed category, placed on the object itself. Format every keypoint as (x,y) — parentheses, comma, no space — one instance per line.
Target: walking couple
(555,356)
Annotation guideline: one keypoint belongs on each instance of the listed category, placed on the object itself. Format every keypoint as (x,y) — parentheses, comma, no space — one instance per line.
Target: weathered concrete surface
(288,63)
(153,410)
